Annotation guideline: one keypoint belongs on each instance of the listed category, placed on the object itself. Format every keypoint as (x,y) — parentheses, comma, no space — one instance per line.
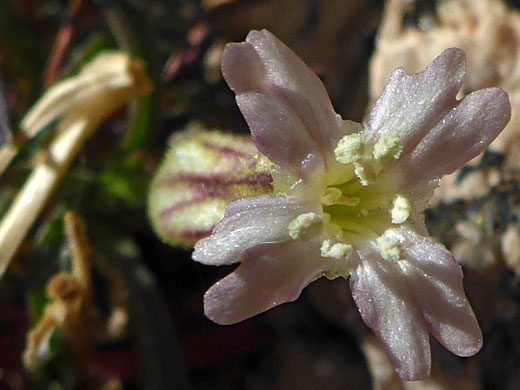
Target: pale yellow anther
(388,145)
(305,226)
(331,196)
(365,178)
(389,248)
(349,149)
(401,209)
(337,254)
(336,250)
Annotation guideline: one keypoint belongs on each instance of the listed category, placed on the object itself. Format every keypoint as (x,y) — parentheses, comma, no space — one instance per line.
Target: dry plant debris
(82,102)
(70,294)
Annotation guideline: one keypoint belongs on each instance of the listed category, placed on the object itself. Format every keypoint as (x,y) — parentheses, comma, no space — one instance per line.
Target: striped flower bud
(201,173)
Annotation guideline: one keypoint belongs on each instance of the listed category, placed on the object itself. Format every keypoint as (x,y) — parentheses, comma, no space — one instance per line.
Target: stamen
(363,175)
(305,226)
(349,149)
(337,250)
(401,210)
(388,145)
(338,254)
(370,210)
(389,248)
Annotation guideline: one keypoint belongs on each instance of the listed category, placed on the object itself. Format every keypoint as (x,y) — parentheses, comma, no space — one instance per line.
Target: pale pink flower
(349,198)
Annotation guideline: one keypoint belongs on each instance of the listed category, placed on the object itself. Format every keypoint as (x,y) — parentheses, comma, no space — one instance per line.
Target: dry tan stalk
(70,294)
(79,248)
(85,101)
(70,307)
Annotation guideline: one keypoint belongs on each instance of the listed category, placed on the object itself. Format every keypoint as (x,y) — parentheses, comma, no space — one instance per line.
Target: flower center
(360,208)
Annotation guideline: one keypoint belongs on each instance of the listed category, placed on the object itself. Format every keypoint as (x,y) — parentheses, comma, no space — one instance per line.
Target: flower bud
(202,172)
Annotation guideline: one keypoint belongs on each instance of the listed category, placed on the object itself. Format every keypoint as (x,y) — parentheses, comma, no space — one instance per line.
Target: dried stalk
(70,294)
(103,86)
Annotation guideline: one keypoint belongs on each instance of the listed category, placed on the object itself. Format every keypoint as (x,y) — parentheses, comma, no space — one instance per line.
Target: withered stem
(38,188)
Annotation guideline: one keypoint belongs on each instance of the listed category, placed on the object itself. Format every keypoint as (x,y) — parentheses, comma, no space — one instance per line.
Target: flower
(348,198)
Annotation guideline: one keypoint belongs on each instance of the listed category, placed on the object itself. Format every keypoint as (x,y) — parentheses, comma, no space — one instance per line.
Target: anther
(305,226)
(401,209)
(388,145)
(337,250)
(389,248)
(349,149)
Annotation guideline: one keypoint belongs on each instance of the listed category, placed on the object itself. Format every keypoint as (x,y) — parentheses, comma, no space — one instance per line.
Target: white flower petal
(270,274)
(411,105)
(462,134)
(436,281)
(292,147)
(388,307)
(248,222)
(283,101)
